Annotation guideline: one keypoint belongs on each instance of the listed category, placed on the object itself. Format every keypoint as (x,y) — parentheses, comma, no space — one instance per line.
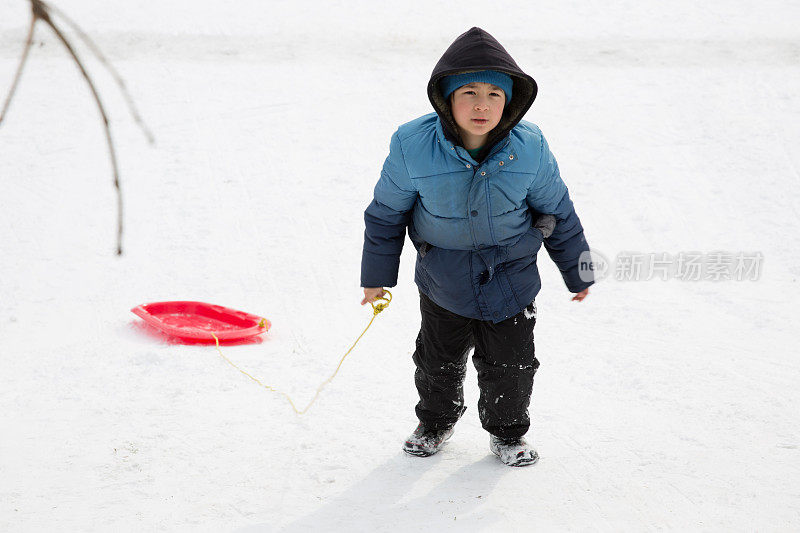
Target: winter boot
(514,451)
(425,442)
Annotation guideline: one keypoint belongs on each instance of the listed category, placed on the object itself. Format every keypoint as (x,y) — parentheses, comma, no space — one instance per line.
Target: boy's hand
(371,294)
(546,224)
(581,295)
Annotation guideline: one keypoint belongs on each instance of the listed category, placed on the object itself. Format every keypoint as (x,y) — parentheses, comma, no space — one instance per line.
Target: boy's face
(477,109)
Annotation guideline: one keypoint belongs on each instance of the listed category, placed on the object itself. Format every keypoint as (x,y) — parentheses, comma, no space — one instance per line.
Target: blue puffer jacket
(470,219)
(470,222)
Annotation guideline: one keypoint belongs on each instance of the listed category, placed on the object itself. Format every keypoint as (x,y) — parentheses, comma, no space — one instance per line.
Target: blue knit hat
(448,84)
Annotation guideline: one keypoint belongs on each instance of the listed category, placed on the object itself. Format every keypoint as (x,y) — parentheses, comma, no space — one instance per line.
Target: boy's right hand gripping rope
(376,308)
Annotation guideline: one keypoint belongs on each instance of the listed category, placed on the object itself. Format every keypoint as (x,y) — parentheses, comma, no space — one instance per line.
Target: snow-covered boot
(425,442)
(514,451)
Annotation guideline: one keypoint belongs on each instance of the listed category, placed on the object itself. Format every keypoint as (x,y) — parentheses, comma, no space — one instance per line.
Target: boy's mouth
(480,121)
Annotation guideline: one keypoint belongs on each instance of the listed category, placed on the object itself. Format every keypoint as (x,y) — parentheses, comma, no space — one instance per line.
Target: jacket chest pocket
(444,195)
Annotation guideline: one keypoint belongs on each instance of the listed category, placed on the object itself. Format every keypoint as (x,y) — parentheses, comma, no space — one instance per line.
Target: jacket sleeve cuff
(580,285)
(379,270)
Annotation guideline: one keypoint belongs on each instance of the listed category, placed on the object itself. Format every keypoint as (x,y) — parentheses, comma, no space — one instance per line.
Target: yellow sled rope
(376,308)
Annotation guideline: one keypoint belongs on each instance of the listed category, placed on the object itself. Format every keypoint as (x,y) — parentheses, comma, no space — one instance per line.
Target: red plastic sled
(198,320)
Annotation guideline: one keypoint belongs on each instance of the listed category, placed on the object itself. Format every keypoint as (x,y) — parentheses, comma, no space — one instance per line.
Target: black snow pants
(504,358)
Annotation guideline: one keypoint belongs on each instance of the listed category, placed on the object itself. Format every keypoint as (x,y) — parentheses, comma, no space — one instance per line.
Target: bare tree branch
(23,59)
(111,150)
(40,10)
(102,58)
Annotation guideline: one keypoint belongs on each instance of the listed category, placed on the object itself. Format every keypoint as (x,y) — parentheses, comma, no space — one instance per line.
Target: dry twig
(41,11)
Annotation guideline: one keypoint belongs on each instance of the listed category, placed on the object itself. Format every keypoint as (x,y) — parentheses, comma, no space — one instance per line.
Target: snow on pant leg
(506,362)
(441,352)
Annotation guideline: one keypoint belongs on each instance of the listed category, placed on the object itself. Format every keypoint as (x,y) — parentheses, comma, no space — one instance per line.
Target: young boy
(471,183)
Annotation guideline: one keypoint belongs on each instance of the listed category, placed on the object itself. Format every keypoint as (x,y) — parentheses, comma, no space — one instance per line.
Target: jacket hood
(477,50)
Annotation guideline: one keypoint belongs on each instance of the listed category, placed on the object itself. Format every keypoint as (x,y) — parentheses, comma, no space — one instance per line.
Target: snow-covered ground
(660,404)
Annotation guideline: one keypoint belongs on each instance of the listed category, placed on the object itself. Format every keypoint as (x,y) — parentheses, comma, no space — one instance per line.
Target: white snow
(659,404)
